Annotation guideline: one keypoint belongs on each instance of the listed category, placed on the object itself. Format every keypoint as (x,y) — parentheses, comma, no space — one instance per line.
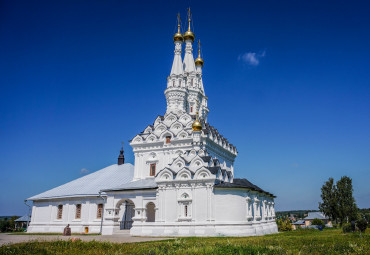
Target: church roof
(91,184)
(242,183)
(139,184)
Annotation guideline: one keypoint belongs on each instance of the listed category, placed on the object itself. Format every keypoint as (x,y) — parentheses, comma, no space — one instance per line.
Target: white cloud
(84,171)
(252,58)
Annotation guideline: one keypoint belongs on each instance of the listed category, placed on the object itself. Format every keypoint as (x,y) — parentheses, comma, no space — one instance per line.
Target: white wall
(44,215)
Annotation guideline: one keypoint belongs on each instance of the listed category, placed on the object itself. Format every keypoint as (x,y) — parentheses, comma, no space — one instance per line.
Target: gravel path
(119,238)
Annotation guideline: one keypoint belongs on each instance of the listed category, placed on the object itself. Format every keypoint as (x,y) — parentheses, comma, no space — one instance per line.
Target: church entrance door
(128,212)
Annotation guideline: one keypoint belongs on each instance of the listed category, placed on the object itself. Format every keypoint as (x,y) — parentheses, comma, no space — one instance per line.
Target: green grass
(49,234)
(296,242)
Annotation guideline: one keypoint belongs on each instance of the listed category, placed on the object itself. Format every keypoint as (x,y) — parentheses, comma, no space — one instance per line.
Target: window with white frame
(185,204)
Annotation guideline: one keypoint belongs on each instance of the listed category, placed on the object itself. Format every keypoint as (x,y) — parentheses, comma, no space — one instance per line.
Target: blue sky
(288,83)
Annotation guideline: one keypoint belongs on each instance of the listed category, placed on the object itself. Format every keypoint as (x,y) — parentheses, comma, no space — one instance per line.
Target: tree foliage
(361,224)
(338,202)
(317,222)
(329,204)
(284,224)
(347,208)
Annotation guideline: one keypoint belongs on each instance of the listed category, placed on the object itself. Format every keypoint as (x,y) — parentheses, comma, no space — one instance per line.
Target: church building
(182,183)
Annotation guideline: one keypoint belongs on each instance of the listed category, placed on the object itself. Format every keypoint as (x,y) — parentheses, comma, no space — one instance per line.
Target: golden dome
(189,35)
(178,36)
(199,61)
(197,126)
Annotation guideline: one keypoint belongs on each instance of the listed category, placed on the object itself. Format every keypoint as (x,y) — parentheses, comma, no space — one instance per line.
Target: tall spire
(189,39)
(177,68)
(121,157)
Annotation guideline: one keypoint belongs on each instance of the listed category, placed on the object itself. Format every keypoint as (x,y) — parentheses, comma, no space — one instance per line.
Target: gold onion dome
(188,34)
(199,61)
(197,126)
(178,36)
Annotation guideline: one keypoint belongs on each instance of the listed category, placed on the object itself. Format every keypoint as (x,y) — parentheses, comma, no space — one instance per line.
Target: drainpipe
(102,215)
(29,214)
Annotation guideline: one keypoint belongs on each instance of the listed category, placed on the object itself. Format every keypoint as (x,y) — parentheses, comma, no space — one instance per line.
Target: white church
(183,181)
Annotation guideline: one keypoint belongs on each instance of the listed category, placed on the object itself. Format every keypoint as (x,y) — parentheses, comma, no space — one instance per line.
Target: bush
(317,222)
(284,224)
(361,224)
(347,228)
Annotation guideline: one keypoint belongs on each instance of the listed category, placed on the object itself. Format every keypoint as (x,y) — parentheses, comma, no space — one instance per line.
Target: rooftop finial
(178,36)
(188,34)
(178,22)
(199,48)
(121,157)
(189,16)
(199,61)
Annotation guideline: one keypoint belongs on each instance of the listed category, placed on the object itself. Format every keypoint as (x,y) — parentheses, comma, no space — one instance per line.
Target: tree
(361,224)
(337,200)
(329,204)
(317,222)
(347,208)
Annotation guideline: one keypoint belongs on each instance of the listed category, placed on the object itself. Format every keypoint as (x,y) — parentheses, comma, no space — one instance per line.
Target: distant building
(22,222)
(316,215)
(307,221)
(300,223)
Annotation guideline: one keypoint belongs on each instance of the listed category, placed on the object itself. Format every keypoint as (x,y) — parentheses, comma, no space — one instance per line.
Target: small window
(60,212)
(191,109)
(100,211)
(186,211)
(152,169)
(78,211)
(173,83)
(168,139)
(180,83)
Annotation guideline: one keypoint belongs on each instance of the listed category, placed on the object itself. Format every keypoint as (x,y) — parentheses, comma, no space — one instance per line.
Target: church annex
(182,184)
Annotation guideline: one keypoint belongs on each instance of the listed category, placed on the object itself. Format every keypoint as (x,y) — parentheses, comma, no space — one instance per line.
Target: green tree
(347,208)
(329,205)
(317,222)
(361,224)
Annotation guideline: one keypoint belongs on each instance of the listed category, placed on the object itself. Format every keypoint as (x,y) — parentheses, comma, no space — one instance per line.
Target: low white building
(182,183)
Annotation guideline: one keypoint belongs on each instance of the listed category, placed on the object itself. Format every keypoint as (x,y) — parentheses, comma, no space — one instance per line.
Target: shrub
(284,224)
(361,224)
(317,222)
(347,228)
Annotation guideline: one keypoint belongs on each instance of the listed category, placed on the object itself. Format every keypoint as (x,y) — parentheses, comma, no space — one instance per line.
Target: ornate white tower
(176,92)
(185,92)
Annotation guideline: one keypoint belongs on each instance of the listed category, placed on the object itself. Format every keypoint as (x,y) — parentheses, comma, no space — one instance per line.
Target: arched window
(60,212)
(150,212)
(168,139)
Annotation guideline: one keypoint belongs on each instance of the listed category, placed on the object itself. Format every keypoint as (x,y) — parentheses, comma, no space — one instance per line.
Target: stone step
(125,232)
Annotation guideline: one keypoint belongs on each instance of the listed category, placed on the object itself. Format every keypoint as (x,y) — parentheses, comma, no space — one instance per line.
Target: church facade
(182,182)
